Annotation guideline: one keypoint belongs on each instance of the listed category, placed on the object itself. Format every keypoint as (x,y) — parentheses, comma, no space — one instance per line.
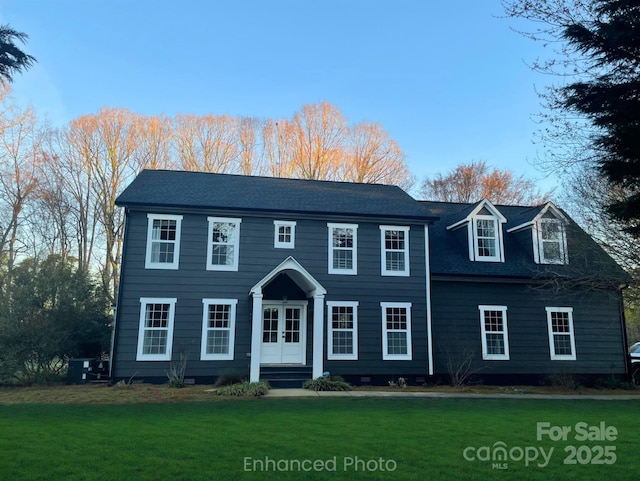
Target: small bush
(231,377)
(244,389)
(327,384)
(614,383)
(401,383)
(563,380)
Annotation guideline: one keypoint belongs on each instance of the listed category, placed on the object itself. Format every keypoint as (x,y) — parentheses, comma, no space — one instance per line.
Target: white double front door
(283,332)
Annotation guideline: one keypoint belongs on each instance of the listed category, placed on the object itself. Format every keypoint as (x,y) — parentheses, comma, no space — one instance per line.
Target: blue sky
(447,80)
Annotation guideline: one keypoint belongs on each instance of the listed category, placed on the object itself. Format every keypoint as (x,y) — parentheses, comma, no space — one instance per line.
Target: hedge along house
(284,278)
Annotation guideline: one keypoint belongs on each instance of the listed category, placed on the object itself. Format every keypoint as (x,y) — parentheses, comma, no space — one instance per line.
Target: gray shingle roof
(450,251)
(199,190)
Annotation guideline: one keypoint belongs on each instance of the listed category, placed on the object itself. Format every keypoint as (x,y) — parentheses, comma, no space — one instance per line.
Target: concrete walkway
(299,393)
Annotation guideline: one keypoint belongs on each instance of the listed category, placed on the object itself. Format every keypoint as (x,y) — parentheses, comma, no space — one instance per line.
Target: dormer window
(551,241)
(484,232)
(548,234)
(486,242)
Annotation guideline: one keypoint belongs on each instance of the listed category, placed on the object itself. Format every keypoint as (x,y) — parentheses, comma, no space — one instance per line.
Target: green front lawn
(346,438)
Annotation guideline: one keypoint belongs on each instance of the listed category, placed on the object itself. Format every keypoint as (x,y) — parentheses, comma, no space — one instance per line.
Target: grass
(209,438)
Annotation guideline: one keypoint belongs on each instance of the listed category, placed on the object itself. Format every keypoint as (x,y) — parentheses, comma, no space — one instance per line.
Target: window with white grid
(486,239)
(395,250)
(343,248)
(284,235)
(562,343)
(396,330)
(218,329)
(163,241)
(495,338)
(155,333)
(342,332)
(551,241)
(224,244)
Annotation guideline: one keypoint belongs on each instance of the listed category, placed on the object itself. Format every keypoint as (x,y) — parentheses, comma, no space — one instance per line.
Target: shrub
(231,377)
(244,389)
(327,384)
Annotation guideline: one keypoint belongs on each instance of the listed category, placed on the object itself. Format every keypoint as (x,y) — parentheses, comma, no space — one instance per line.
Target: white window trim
(148,264)
(141,328)
(236,244)
(561,357)
(284,245)
(474,255)
(385,354)
(354,249)
(342,357)
(205,329)
(505,333)
(538,244)
(383,251)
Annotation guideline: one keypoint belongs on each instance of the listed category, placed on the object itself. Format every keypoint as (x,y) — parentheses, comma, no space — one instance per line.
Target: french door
(283,333)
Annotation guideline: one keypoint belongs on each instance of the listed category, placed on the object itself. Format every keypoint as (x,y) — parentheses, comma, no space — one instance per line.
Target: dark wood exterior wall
(192,282)
(597,321)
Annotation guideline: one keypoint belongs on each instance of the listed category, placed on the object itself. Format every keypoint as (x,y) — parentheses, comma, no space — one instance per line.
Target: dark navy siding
(596,319)
(192,282)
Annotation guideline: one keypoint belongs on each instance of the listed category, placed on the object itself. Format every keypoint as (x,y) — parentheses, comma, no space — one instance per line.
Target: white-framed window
(396,331)
(163,241)
(562,343)
(552,241)
(223,247)
(342,334)
(487,245)
(284,236)
(155,333)
(495,337)
(343,248)
(218,329)
(395,250)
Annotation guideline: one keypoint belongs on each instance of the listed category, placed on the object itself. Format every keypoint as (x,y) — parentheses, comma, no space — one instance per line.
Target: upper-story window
(285,234)
(548,234)
(484,232)
(343,248)
(486,242)
(163,241)
(551,241)
(223,246)
(395,250)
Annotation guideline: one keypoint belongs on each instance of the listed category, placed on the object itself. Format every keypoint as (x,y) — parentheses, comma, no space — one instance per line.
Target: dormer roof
(483,207)
(528,218)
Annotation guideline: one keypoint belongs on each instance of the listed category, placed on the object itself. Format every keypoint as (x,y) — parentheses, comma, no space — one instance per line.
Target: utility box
(79,371)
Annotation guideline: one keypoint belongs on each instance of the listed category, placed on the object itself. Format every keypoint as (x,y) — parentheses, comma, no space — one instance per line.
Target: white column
(318,335)
(256,337)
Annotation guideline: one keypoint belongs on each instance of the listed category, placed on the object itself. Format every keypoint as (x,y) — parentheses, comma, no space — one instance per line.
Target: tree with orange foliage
(373,157)
(318,133)
(475,181)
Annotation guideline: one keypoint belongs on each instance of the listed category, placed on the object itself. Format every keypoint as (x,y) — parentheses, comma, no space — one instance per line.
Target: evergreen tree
(610,44)
(593,119)
(12,59)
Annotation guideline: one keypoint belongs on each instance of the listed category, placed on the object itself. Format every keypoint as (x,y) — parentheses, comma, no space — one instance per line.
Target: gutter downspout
(428,298)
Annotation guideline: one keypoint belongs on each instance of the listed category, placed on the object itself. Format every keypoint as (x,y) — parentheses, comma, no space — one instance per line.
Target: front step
(285,377)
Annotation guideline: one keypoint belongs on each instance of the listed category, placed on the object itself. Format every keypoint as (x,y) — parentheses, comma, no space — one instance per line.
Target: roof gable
(530,218)
(484,207)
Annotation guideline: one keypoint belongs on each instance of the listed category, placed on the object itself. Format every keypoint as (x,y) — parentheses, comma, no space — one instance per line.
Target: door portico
(278,333)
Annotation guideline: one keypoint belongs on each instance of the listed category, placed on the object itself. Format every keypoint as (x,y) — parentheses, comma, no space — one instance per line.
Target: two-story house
(269,276)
